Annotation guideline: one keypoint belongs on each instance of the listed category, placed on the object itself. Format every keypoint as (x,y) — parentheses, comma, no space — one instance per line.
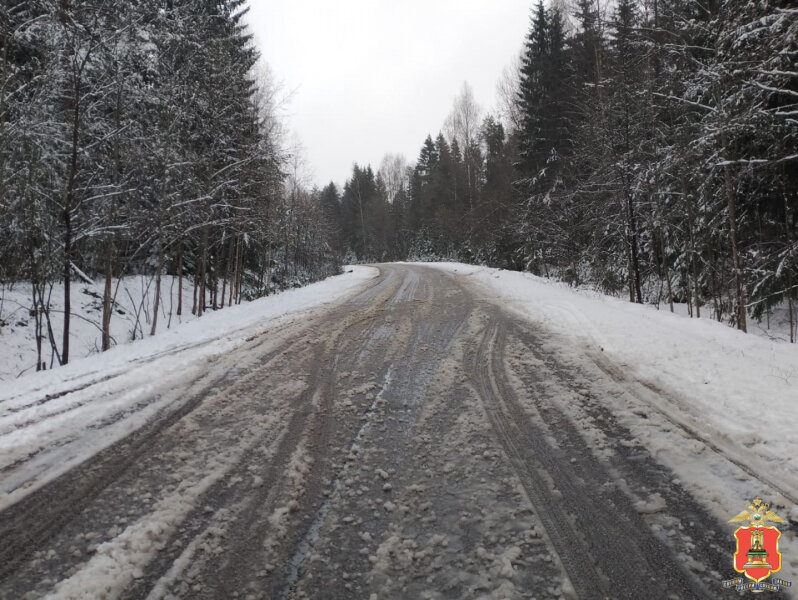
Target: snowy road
(415,441)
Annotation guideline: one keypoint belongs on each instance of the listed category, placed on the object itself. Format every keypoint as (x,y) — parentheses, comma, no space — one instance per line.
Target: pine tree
(751,143)
(532,97)
(545,139)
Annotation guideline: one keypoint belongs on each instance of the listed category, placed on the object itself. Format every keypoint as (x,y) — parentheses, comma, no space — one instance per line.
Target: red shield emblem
(757,552)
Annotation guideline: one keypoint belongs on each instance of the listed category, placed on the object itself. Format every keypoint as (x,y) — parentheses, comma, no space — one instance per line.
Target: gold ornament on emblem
(757,555)
(758,514)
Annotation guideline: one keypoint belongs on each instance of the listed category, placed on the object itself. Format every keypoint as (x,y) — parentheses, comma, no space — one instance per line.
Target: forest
(143,138)
(647,148)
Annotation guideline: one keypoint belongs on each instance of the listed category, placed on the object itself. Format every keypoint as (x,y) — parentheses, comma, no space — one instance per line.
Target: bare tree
(507,95)
(394,174)
(463,125)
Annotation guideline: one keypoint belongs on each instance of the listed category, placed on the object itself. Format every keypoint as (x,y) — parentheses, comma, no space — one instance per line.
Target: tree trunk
(692,275)
(37,320)
(717,301)
(179,277)
(240,271)
(229,269)
(739,281)
(195,306)
(215,291)
(696,288)
(262,275)
(107,298)
(45,306)
(234,276)
(629,266)
(270,269)
(67,285)
(157,303)
(203,273)
(69,200)
(666,271)
(634,249)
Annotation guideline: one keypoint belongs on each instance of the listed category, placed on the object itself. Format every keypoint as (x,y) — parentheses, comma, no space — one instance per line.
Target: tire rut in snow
(326,445)
(35,524)
(398,336)
(605,547)
(228,545)
(53,516)
(426,319)
(523,452)
(617,375)
(684,527)
(243,545)
(38,521)
(26,527)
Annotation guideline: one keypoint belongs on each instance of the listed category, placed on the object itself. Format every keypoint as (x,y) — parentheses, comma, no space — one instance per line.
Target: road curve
(416,441)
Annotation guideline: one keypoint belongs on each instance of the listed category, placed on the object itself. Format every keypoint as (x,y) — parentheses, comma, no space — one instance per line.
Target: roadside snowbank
(131,319)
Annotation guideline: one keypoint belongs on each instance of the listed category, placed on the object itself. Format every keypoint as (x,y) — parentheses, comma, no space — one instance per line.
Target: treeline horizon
(646,148)
(137,138)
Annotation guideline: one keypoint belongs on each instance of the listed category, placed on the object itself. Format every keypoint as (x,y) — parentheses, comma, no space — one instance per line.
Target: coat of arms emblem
(757,555)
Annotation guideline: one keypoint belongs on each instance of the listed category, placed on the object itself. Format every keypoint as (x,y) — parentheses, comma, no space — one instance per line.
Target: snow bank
(132,319)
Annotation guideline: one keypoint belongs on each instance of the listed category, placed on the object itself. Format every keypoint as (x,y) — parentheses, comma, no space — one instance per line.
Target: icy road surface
(415,441)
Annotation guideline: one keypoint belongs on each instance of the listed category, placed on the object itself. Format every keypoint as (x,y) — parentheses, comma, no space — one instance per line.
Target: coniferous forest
(647,148)
(137,138)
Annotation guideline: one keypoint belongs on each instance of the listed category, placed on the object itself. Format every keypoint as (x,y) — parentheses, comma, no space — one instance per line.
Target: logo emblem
(757,555)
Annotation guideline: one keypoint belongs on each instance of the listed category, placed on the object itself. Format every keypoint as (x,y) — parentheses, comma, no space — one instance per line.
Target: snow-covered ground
(131,320)
(116,392)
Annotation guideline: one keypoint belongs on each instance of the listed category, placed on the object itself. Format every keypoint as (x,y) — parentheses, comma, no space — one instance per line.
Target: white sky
(376,76)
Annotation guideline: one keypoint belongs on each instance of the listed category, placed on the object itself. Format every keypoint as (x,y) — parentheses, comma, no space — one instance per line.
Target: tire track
(604,544)
(27,526)
(617,375)
(523,454)
(247,525)
(426,324)
(314,394)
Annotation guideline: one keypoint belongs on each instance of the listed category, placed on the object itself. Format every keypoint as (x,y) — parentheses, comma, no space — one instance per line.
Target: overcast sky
(376,76)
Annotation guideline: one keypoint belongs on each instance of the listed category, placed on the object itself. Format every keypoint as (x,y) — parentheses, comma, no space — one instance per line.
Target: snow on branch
(756,161)
(780,73)
(81,274)
(784,291)
(776,90)
(685,101)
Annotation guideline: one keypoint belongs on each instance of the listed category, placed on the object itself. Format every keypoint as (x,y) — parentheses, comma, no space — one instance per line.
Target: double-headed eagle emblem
(758,514)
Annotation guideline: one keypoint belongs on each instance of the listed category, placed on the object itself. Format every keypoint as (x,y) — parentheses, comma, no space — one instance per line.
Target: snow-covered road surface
(416,440)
